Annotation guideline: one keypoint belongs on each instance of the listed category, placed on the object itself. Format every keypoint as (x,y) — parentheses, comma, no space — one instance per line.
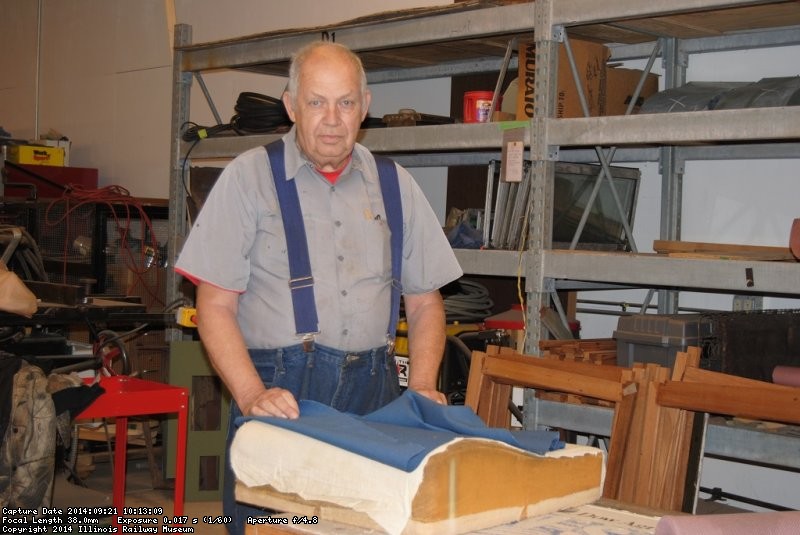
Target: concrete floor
(140,493)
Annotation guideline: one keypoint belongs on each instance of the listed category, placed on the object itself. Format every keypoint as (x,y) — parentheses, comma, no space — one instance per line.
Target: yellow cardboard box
(63,143)
(36,155)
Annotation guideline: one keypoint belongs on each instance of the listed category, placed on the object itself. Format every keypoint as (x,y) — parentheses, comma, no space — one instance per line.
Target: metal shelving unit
(471,37)
(678,137)
(671,139)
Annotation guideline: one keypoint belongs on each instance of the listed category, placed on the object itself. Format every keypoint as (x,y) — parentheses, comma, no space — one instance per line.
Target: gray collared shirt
(238,243)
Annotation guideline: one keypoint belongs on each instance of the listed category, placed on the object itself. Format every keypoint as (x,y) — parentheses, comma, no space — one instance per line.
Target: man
(236,253)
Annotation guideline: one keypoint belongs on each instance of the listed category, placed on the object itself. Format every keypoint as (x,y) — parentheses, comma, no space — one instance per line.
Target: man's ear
(367,100)
(287,103)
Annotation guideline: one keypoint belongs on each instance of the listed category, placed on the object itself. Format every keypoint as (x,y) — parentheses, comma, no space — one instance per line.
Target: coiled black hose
(255,114)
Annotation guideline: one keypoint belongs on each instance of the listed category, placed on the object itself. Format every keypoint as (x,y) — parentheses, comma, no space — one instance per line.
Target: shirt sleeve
(217,248)
(428,260)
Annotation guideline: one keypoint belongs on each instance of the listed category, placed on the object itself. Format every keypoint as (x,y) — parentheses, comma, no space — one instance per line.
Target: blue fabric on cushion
(403,432)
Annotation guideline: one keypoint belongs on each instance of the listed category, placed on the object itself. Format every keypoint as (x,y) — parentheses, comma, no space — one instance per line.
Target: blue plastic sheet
(403,432)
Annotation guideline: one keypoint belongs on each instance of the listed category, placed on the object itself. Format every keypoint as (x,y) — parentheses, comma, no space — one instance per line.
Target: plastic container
(478,106)
(657,338)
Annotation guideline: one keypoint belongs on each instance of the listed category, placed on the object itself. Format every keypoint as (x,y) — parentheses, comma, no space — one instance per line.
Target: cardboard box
(619,87)
(63,143)
(36,155)
(590,59)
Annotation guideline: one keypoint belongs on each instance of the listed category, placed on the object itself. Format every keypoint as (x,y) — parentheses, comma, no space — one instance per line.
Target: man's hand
(426,339)
(432,394)
(276,402)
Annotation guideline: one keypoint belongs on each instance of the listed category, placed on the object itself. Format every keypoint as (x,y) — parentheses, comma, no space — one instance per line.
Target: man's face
(329,108)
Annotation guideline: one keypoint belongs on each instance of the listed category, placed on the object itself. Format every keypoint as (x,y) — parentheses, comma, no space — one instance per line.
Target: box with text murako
(590,60)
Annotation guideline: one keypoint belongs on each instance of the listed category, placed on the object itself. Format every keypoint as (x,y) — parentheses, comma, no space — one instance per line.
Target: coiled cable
(472,303)
(258,114)
(255,114)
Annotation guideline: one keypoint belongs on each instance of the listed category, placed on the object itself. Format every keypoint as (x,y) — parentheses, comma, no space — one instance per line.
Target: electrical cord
(196,132)
(258,114)
(255,114)
(28,257)
(137,253)
(472,303)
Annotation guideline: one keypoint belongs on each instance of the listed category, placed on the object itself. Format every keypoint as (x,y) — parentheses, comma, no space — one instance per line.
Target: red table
(127,396)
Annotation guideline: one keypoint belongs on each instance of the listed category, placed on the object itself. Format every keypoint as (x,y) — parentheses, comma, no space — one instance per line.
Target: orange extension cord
(116,198)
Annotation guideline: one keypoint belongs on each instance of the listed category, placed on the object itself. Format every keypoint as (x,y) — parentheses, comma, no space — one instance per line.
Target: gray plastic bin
(657,338)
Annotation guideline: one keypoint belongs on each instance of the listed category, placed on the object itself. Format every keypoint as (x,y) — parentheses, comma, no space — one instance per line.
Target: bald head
(328,51)
(327,98)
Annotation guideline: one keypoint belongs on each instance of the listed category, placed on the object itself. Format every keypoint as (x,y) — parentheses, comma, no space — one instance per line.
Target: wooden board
(684,249)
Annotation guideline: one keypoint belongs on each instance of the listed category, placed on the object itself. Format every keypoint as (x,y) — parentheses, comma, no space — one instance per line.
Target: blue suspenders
(301,282)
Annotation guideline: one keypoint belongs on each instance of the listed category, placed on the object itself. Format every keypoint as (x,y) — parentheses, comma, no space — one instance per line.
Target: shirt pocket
(376,248)
(269,249)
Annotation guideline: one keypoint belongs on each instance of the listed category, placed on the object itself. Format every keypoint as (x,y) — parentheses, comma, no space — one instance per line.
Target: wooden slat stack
(596,351)
(650,443)
(599,351)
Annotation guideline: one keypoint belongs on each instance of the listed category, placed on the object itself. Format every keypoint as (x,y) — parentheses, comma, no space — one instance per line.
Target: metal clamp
(308,342)
(301,282)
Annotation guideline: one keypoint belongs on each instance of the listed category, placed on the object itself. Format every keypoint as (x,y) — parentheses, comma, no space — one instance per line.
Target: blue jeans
(356,382)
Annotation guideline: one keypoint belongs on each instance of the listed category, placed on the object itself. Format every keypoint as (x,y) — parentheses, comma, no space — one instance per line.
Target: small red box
(48,186)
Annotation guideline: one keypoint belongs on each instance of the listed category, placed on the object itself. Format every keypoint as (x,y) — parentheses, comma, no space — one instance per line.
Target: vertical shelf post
(181,87)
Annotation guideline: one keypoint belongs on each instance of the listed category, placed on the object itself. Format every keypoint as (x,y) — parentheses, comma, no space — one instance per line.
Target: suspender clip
(301,282)
(308,342)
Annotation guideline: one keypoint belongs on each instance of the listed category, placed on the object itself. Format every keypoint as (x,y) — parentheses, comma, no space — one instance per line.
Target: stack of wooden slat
(599,351)
(654,411)
(650,444)
(596,351)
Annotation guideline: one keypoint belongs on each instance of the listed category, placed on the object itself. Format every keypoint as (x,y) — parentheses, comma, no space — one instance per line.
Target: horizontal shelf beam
(789,36)
(374,35)
(226,147)
(750,151)
(410,139)
(661,271)
(491,262)
(722,440)
(607,131)
(436,138)
(674,128)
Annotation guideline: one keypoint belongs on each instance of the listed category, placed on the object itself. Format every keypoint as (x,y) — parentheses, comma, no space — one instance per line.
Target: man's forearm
(223,341)
(426,339)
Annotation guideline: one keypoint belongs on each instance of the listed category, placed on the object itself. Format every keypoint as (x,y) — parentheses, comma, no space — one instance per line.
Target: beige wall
(104,72)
